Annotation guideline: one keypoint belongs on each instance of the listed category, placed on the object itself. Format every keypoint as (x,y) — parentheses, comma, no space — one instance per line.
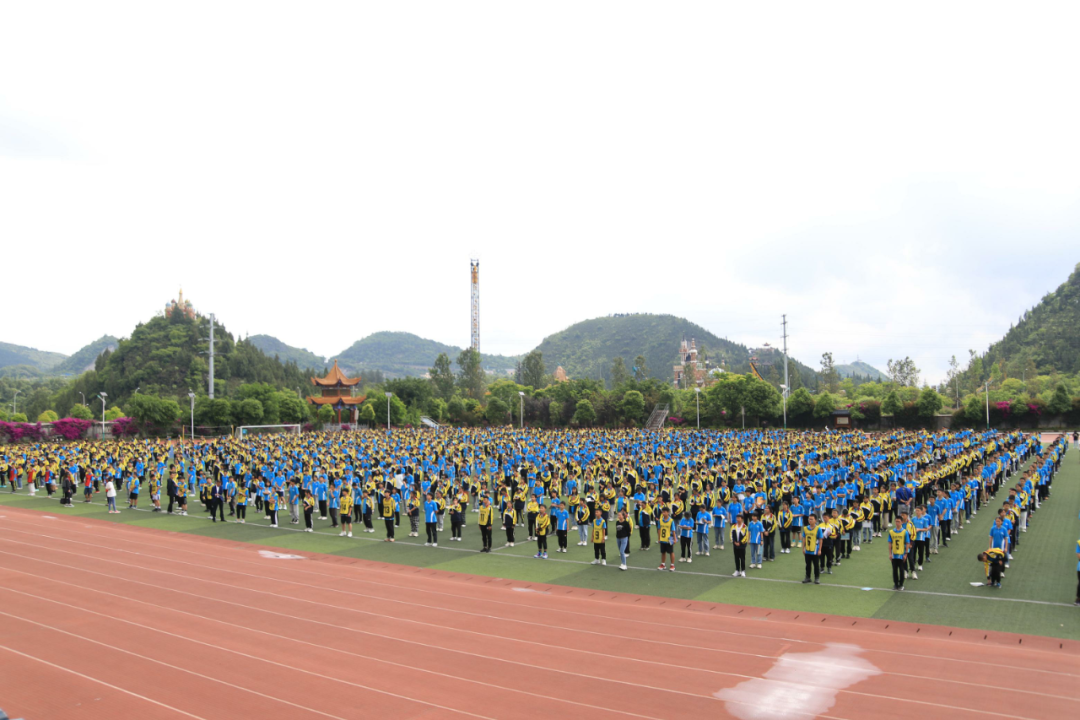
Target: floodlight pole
(15,399)
(697,399)
(786,383)
(192,396)
(521,410)
(104,396)
(987,404)
(388,412)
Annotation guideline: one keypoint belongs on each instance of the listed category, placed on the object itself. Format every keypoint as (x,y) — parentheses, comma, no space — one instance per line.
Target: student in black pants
(740,536)
(217,501)
(509,520)
(487,513)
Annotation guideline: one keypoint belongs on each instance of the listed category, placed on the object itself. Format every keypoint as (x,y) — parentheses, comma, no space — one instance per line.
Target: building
(180,305)
(690,371)
(336,391)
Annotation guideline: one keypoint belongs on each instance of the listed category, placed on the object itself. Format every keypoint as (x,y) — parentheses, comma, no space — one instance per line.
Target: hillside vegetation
(402,354)
(272,347)
(587,349)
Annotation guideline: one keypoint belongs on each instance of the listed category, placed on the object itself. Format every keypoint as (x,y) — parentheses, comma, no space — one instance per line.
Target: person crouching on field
(993,561)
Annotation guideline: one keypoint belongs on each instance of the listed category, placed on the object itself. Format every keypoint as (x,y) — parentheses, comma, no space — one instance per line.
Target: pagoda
(336,391)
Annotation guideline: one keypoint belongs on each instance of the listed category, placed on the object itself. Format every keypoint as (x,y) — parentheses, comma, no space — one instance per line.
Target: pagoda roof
(335,378)
(344,400)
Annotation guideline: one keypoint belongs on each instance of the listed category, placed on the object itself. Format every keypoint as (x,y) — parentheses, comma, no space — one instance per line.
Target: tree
(48,416)
(952,379)
(291,409)
(367,413)
(892,404)
(455,409)
(800,404)
(18,417)
(324,415)
(496,411)
(555,412)
(619,373)
(584,414)
(152,410)
(267,396)
(471,374)
(114,413)
(929,402)
(80,412)
(903,372)
(632,406)
(442,377)
(533,370)
(250,412)
(734,393)
(829,376)
(398,410)
(436,409)
(1059,402)
(824,406)
(641,370)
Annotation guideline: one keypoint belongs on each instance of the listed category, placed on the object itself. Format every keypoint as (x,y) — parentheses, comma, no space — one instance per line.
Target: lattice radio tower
(474,268)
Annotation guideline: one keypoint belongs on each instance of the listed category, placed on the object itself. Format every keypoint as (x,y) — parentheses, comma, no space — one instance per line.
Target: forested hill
(166,356)
(1046,337)
(402,354)
(271,346)
(40,360)
(587,349)
(86,357)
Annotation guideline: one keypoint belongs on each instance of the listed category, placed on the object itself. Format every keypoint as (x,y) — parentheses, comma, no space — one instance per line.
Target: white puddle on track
(799,685)
(270,555)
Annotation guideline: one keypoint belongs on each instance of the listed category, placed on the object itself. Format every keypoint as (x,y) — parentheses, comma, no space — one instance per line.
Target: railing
(657,417)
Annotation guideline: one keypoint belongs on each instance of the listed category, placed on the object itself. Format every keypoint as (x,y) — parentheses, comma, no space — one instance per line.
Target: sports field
(1036,597)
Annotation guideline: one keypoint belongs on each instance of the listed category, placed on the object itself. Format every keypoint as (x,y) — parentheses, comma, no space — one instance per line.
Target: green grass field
(1036,596)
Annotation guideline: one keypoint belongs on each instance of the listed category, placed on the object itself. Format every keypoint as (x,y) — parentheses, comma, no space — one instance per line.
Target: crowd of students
(823,494)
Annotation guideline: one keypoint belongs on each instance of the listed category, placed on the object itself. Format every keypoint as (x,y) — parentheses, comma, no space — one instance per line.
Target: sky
(897,180)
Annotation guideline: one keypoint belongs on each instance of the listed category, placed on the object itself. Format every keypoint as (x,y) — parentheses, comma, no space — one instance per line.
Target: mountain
(860,368)
(85,357)
(586,349)
(399,354)
(37,359)
(271,346)
(1047,336)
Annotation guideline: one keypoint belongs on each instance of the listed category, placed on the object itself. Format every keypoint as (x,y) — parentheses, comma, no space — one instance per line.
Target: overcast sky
(899,181)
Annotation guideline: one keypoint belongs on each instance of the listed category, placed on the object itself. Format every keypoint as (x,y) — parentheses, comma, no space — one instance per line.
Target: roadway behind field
(1036,597)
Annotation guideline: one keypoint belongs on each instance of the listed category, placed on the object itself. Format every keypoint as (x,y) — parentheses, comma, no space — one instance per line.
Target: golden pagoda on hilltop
(336,391)
(180,305)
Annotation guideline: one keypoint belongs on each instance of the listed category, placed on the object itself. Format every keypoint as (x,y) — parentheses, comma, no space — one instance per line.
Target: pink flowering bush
(124,427)
(71,428)
(15,432)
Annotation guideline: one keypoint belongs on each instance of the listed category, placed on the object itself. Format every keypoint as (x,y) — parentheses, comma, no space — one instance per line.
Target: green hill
(587,349)
(861,369)
(271,346)
(402,354)
(38,359)
(85,358)
(166,356)
(1047,336)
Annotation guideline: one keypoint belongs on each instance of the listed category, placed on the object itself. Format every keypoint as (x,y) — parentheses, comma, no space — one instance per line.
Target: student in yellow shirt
(665,532)
(599,538)
(542,527)
(486,519)
(345,511)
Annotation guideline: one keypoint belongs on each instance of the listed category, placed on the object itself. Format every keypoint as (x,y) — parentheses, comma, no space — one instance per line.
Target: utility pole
(211,356)
(786,383)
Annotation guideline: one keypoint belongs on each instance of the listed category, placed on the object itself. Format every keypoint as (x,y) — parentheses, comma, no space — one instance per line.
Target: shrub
(71,428)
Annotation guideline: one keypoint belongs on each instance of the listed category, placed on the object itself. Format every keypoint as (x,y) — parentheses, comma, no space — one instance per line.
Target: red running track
(99,620)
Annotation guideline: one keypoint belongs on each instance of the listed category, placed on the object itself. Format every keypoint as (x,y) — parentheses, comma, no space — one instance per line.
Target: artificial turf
(1035,598)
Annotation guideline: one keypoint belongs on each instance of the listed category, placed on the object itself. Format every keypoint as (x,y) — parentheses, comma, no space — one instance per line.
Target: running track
(108,621)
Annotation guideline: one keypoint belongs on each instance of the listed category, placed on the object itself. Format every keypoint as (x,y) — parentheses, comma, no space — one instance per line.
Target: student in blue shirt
(798,513)
(431,520)
(686,531)
(701,531)
(757,537)
(562,524)
(720,518)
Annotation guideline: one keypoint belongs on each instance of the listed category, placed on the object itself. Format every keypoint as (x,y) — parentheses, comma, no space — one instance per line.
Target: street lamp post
(697,399)
(192,396)
(388,396)
(104,396)
(14,400)
(783,396)
(83,398)
(521,410)
(987,404)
